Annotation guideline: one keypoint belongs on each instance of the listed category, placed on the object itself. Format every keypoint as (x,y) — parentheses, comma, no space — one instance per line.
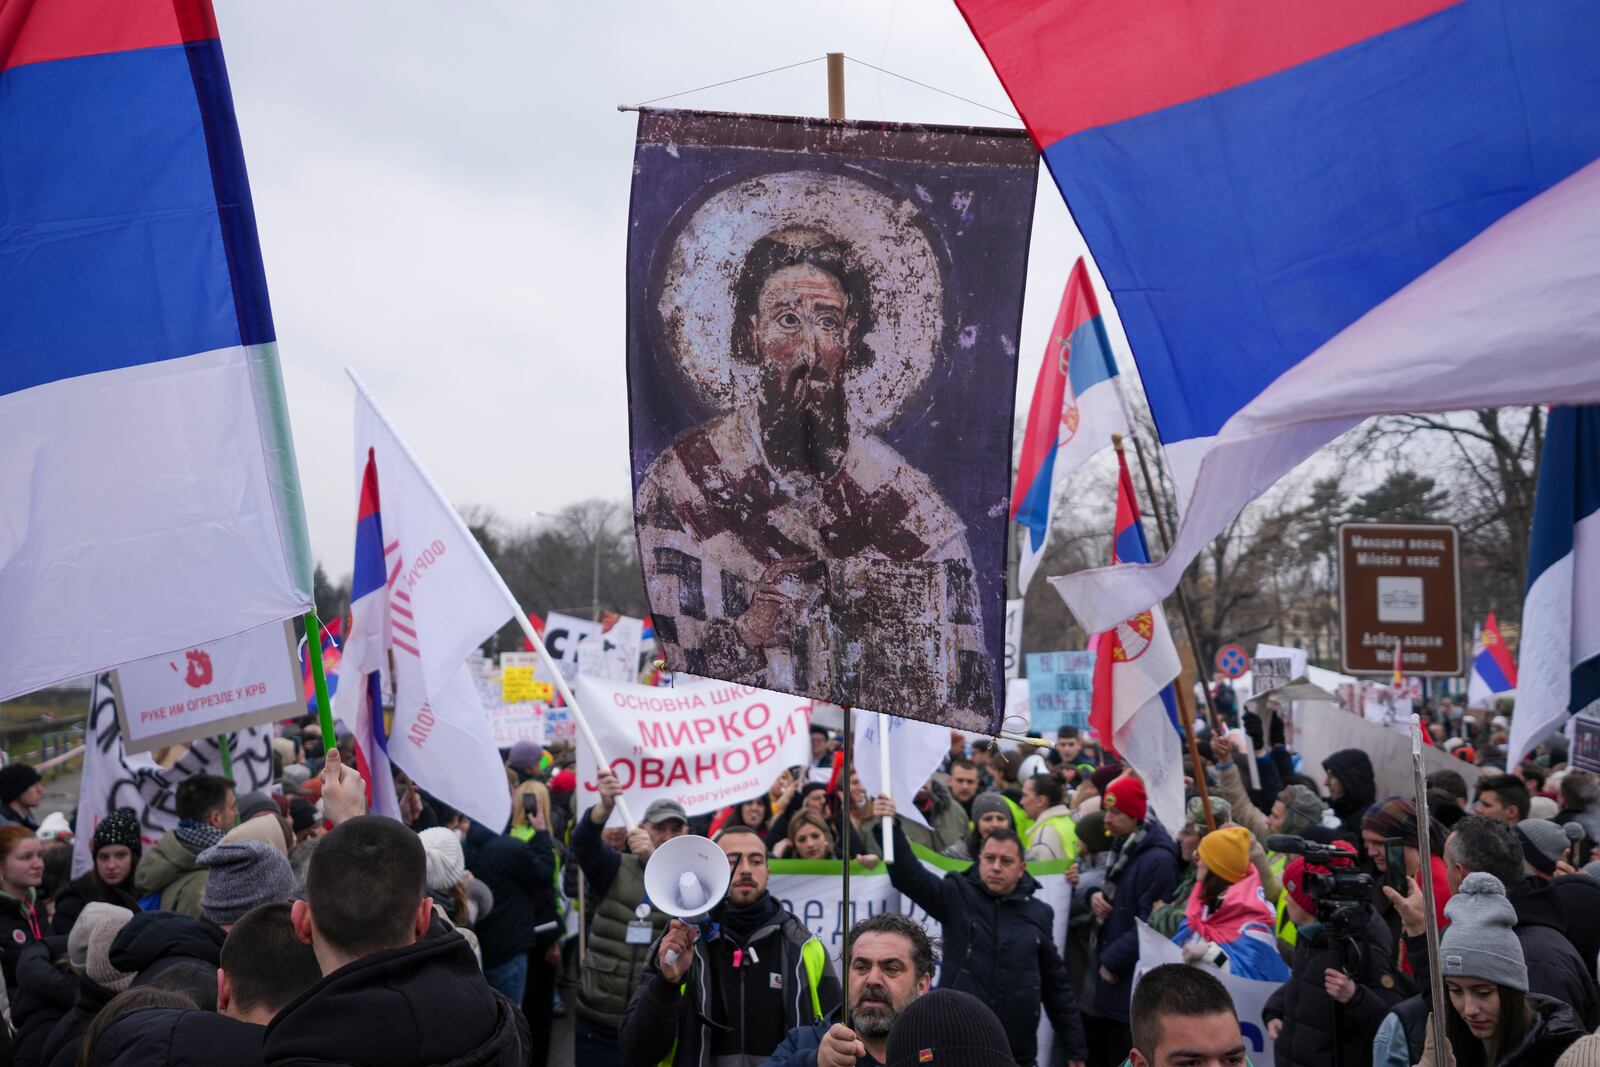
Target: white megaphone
(686,878)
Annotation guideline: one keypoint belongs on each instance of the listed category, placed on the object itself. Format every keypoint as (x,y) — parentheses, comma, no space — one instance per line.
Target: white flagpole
(603,765)
(884,784)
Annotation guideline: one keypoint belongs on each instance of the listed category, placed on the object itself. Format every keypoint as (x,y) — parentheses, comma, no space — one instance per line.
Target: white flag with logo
(443,599)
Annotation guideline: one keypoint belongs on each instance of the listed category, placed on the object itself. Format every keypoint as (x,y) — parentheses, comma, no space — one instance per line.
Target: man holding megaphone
(734,973)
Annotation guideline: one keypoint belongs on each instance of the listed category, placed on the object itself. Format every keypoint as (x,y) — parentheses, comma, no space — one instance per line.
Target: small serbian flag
(331,655)
(1493,669)
(1077,406)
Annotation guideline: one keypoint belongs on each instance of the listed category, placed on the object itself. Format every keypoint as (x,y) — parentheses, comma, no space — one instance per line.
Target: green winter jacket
(172,870)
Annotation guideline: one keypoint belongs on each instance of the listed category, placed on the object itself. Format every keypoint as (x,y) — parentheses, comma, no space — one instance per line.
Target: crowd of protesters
(289,927)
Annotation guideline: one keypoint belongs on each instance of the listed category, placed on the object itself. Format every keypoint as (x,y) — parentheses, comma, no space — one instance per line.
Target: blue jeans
(510,977)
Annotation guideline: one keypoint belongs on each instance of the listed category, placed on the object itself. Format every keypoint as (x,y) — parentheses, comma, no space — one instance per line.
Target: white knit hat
(446,863)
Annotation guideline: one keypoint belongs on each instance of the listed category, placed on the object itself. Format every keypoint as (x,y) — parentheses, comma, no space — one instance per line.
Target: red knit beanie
(1126,795)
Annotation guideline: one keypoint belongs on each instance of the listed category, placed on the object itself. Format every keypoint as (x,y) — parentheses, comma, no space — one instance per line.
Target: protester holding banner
(999,942)
(622,927)
(733,996)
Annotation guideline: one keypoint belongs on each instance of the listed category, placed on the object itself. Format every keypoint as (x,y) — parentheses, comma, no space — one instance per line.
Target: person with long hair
(1491,1020)
(810,838)
(21,922)
(116,846)
(1228,910)
(753,814)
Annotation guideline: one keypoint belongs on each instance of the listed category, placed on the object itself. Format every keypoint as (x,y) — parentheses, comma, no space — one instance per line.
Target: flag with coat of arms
(1133,707)
(1494,671)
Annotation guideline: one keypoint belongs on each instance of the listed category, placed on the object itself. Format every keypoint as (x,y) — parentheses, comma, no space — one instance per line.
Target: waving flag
(1133,708)
(365,654)
(330,663)
(1077,406)
(1493,669)
(1560,645)
(149,499)
(1312,213)
(424,592)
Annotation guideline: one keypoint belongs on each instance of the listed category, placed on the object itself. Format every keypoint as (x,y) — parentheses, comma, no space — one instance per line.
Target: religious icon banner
(822,342)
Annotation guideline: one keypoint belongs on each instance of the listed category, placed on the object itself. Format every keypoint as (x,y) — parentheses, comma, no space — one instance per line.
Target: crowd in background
(286,926)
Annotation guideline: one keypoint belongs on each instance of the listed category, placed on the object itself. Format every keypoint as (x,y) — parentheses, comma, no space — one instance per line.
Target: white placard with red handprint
(213,688)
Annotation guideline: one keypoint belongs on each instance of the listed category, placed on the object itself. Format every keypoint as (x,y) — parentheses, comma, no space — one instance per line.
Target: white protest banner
(916,749)
(705,746)
(1249,996)
(614,655)
(563,636)
(1325,729)
(113,777)
(214,688)
(1019,696)
(510,723)
(1013,637)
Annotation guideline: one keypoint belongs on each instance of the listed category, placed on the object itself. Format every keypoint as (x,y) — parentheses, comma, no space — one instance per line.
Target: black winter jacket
(1307,1011)
(176,1037)
(1554,967)
(152,941)
(521,874)
(61,1048)
(17,918)
(426,1003)
(80,892)
(1580,898)
(1151,874)
(45,992)
(1353,768)
(1001,950)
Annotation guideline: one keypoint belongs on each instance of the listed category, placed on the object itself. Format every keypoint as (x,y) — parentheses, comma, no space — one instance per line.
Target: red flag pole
(1185,716)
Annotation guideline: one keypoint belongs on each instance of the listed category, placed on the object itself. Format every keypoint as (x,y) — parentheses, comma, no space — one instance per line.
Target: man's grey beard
(874,1021)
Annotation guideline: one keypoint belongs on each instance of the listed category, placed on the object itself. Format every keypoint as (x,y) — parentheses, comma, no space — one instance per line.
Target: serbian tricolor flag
(1493,669)
(330,664)
(1133,708)
(1077,406)
(1311,213)
(1559,646)
(366,649)
(149,498)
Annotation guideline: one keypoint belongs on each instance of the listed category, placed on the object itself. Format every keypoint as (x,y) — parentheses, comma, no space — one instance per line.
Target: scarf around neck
(1125,852)
(197,836)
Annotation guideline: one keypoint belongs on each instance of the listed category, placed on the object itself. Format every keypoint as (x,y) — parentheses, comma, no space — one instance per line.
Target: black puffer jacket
(61,1048)
(152,941)
(1554,1028)
(176,1037)
(521,874)
(45,992)
(426,1003)
(1554,967)
(1354,770)
(80,892)
(21,924)
(1307,1011)
(1580,899)
(1000,949)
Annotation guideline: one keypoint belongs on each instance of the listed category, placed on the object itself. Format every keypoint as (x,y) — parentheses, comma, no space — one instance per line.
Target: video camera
(1344,896)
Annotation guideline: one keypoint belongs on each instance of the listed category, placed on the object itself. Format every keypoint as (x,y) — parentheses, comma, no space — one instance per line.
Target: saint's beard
(803,429)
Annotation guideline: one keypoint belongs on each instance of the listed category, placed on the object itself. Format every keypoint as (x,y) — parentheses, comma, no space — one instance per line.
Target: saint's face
(802,331)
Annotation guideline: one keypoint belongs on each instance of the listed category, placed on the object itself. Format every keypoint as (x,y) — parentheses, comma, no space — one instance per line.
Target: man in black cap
(948,1028)
(21,790)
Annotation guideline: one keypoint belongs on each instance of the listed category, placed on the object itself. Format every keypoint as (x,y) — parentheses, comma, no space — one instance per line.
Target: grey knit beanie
(97,965)
(1481,941)
(240,876)
(1544,843)
(1301,811)
(984,803)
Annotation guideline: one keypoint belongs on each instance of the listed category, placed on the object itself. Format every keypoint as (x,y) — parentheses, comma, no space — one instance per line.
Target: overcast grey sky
(442,194)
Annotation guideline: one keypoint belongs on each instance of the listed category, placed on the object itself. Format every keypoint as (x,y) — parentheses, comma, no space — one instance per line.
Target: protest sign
(517,682)
(1060,687)
(563,637)
(614,654)
(1249,996)
(1019,712)
(884,585)
(558,725)
(1325,730)
(810,890)
(214,688)
(510,723)
(114,777)
(705,746)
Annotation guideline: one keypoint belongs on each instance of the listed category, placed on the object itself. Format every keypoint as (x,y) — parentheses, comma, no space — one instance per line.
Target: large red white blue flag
(423,597)
(149,498)
(1077,406)
(1559,672)
(1133,708)
(1308,214)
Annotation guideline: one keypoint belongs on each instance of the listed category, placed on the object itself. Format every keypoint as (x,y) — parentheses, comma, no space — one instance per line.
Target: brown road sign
(1399,581)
